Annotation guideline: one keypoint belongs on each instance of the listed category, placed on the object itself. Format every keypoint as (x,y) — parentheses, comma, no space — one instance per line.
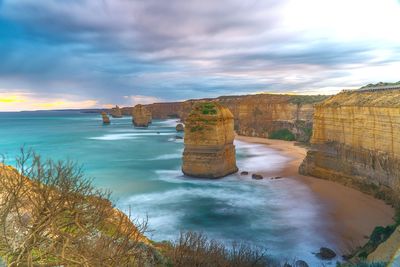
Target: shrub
(50,215)
(283,134)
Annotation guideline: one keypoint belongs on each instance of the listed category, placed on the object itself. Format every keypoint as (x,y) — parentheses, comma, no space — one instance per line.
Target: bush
(195,249)
(50,215)
(283,134)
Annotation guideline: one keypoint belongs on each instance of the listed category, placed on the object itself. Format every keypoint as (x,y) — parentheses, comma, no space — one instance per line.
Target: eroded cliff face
(209,151)
(356,141)
(254,115)
(141,116)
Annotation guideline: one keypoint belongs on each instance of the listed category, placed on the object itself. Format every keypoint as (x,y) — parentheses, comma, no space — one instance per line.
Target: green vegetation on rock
(208,108)
(380,84)
(282,134)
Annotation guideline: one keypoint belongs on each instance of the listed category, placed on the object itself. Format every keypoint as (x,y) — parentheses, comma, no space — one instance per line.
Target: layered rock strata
(106,119)
(116,112)
(141,116)
(209,151)
(356,141)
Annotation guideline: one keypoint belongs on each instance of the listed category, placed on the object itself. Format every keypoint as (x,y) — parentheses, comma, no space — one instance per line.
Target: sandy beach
(354,215)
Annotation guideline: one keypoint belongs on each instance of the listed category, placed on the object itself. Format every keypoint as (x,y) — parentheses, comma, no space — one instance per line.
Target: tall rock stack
(356,141)
(116,112)
(141,116)
(106,119)
(209,150)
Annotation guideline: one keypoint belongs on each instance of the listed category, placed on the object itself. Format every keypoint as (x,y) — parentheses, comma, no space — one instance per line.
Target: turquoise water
(142,169)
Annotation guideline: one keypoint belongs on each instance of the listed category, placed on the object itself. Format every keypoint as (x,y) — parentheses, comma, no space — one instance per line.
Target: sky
(57,54)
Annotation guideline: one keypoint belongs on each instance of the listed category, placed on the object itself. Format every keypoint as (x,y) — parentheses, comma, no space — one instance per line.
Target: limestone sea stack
(209,151)
(116,112)
(106,119)
(141,116)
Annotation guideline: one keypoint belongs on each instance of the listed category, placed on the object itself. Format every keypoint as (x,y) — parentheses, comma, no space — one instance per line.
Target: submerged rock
(300,263)
(179,127)
(326,253)
(141,116)
(244,173)
(256,176)
(106,119)
(116,112)
(209,150)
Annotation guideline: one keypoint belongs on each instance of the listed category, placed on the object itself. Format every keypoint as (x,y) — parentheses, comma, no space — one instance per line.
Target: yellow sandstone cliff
(141,116)
(209,150)
(356,141)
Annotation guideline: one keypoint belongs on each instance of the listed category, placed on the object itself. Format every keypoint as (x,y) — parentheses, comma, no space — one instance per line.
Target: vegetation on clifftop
(282,134)
(306,99)
(380,84)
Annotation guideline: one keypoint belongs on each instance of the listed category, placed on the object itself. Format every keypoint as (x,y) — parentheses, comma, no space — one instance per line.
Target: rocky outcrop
(356,142)
(141,116)
(116,112)
(179,127)
(209,151)
(388,251)
(106,119)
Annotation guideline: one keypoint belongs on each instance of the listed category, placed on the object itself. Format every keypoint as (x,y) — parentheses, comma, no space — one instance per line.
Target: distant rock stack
(209,150)
(179,127)
(116,112)
(141,116)
(106,119)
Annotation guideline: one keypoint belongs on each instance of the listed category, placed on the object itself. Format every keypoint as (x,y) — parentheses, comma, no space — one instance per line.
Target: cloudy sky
(94,53)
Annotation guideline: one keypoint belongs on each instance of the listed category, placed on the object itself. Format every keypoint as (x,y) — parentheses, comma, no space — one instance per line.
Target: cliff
(141,116)
(209,151)
(254,115)
(356,142)
(116,112)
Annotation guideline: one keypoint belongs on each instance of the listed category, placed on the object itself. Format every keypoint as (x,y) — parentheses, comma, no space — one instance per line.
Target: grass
(208,109)
(283,134)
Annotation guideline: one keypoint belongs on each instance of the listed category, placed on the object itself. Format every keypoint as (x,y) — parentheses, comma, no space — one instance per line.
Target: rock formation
(141,116)
(356,141)
(179,127)
(106,119)
(209,150)
(116,112)
(388,251)
(254,115)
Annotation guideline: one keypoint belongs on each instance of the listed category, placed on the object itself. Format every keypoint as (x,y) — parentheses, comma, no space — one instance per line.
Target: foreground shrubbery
(56,217)
(195,249)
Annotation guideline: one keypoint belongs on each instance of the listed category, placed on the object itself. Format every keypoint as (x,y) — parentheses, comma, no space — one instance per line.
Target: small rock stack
(141,116)
(209,151)
(106,119)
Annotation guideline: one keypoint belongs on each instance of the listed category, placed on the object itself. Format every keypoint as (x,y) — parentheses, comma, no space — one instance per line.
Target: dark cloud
(170,49)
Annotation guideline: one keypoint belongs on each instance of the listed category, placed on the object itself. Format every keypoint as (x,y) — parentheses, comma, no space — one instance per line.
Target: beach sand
(354,214)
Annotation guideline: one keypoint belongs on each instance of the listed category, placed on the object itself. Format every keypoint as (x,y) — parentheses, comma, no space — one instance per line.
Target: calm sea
(142,169)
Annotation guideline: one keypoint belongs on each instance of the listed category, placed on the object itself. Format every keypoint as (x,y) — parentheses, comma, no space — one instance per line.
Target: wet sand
(353,214)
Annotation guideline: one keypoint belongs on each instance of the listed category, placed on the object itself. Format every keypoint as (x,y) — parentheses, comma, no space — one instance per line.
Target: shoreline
(353,214)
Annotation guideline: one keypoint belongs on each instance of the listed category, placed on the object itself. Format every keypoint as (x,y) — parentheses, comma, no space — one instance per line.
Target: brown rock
(116,112)
(179,127)
(209,150)
(106,119)
(356,142)
(141,116)
(256,176)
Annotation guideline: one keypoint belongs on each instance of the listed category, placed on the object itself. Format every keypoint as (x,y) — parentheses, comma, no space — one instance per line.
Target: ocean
(142,169)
